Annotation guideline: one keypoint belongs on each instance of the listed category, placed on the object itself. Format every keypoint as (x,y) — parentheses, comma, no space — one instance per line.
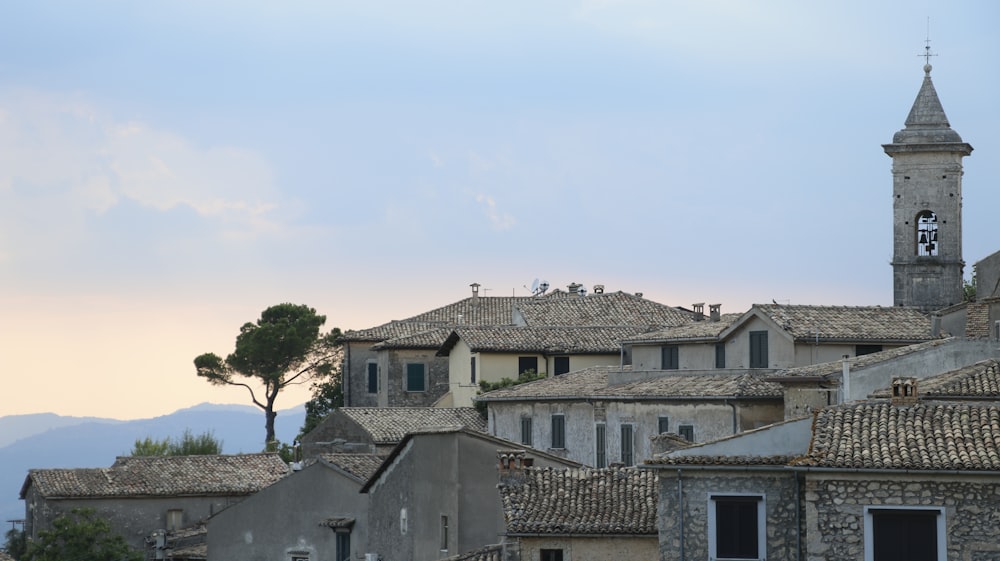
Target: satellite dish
(583,291)
(543,286)
(534,286)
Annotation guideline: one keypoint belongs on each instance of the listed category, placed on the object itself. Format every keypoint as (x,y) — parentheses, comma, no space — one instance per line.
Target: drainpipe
(680,512)
(345,380)
(846,379)
(798,518)
(733,405)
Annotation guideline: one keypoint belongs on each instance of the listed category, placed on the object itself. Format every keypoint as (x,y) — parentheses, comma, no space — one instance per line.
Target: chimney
(511,464)
(904,391)
(573,287)
(935,325)
(598,289)
(475,292)
(715,312)
(699,311)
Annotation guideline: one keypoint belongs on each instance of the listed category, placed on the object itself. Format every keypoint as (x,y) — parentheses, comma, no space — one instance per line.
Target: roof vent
(715,312)
(598,289)
(699,311)
(573,287)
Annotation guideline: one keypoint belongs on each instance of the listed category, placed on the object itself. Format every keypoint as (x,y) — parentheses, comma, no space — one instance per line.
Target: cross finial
(927,48)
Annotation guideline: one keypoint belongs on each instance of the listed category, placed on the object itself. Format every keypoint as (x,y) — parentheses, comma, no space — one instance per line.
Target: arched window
(927,233)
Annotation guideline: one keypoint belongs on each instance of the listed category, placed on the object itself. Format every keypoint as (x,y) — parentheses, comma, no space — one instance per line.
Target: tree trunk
(269,414)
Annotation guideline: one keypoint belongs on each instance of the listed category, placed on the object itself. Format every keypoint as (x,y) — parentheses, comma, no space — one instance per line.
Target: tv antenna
(538,287)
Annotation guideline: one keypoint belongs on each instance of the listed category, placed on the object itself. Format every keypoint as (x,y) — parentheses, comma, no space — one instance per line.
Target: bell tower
(927,157)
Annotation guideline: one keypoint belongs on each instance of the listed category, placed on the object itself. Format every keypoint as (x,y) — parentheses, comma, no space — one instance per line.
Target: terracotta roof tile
(362,466)
(388,425)
(705,329)
(850,323)
(550,339)
(878,435)
(487,553)
(426,339)
(592,383)
(664,460)
(132,476)
(600,310)
(581,501)
(980,380)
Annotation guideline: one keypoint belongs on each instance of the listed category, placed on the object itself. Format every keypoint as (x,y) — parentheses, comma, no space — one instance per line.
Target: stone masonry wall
(835,512)
(778,488)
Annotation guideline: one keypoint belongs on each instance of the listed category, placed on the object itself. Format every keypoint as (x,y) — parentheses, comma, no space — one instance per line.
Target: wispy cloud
(498,219)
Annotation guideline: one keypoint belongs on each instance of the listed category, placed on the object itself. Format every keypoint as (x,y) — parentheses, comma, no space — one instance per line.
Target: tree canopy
(80,534)
(187,445)
(284,347)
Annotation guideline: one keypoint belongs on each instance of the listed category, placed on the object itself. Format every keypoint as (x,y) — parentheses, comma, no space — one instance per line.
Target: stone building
(927,154)
(377,430)
(140,495)
(578,514)
(602,415)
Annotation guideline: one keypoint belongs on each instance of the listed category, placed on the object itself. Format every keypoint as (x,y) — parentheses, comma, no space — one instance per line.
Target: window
(558,431)
(601,439)
(561,365)
(687,431)
(669,359)
(343,546)
(525,363)
(526,431)
(298,556)
(550,555)
(720,355)
(758,349)
(662,425)
(927,234)
(175,519)
(444,533)
(472,369)
(372,377)
(628,445)
(735,527)
(860,350)
(905,534)
(416,380)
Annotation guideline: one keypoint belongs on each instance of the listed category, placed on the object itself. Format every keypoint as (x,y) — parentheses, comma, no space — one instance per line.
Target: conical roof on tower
(926,123)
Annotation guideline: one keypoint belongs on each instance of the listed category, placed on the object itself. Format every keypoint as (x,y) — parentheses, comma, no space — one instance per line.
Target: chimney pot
(699,311)
(715,311)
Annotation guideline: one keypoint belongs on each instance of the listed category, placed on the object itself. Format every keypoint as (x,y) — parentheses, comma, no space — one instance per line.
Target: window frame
(601,445)
(558,435)
(670,357)
(472,370)
(761,520)
(681,429)
(720,355)
(662,424)
(527,430)
(521,362)
(372,371)
(343,542)
(407,378)
(627,447)
(548,554)
(869,527)
(560,365)
(758,349)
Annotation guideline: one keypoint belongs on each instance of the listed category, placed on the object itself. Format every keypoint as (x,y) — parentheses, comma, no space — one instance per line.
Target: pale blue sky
(169,169)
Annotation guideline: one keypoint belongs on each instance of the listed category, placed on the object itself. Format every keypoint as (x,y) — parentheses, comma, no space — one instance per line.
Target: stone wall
(835,512)
(685,526)
(395,367)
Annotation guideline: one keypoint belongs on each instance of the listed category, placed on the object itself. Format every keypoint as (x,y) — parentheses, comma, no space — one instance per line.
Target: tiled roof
(488,553)
(850,323)
(580,501)
(705,329)
(361,466)
(978,381)
(600,310)
(835,368)
(592,383)
(481,310)
(693,460)
(388,425)
(427,339)
(878,435)
(132,476)
(549,340)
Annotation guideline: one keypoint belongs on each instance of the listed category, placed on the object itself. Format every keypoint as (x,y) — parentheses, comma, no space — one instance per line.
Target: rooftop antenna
(927,48)
(538,287)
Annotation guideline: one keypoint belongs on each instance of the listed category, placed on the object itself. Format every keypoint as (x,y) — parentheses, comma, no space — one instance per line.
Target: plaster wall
(711,420)
(597,548)
(355,367)
(285,517)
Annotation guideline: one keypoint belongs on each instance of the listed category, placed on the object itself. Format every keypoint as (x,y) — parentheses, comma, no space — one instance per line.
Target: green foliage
(969,287)
(286,452)
(188,445)
(522,378)
(80,535)
(283,347)
(16,544)
(328,394)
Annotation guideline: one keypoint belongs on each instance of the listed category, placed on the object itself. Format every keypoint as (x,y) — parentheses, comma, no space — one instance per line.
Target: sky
(169,169)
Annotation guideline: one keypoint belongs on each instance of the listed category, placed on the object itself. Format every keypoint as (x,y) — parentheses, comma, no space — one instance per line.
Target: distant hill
(47,440)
